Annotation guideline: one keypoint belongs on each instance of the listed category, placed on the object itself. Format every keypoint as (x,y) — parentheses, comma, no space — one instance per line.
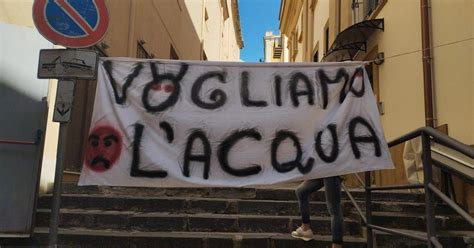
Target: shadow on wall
(21,118)
(23,107)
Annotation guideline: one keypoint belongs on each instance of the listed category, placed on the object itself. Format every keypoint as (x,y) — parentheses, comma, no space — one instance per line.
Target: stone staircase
(227,217)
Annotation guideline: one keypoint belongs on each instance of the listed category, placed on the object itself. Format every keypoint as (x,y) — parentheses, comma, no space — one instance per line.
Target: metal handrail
(428,134)
(22,142)
(352,199)
(438,137)
(17,142)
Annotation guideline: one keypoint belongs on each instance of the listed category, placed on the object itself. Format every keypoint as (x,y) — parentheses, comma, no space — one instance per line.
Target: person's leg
(303,191)
(333,200)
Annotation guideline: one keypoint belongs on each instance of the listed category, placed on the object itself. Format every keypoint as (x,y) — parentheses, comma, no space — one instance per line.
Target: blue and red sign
(71,23)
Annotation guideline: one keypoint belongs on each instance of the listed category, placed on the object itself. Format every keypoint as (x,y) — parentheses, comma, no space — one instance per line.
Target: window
(173,54)
(277,49)
(370,6)
(326,39)
(363,9)
(316,57)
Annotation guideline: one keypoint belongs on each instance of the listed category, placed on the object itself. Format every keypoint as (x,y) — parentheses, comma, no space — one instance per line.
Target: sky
(257,17)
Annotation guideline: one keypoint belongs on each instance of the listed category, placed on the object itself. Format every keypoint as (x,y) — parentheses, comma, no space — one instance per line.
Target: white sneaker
(304,235)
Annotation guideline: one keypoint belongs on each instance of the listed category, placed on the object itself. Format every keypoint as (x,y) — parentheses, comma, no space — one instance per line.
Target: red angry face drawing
(103,148)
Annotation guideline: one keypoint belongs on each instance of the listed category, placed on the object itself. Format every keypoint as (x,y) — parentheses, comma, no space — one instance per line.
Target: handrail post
(427,171)
(368,209)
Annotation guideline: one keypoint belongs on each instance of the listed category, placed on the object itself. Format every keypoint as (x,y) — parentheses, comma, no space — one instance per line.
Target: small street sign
(67,64)
(73,24)
(64,101)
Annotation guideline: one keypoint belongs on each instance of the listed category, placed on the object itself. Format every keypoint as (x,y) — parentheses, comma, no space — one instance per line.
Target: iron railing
(23,142)
(428,135)
(362,9)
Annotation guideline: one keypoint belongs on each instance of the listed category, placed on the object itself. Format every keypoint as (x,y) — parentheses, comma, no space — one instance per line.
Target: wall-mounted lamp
(379,59)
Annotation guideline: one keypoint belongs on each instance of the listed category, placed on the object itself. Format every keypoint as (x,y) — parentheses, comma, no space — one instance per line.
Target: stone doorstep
(117,220)
(449,239)
(232,193)
(228,206)
(185,205)
(108,238)
(415,221)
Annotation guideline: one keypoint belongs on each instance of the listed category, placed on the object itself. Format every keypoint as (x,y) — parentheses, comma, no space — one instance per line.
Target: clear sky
(256,17)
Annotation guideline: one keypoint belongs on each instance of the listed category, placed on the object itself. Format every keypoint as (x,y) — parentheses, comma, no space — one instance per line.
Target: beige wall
(399,80)
(453,66)
(181,24)
(400,77)
(321,17)
(16,12)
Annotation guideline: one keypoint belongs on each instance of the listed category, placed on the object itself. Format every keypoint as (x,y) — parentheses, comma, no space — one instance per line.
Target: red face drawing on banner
(160,92)
(103,148)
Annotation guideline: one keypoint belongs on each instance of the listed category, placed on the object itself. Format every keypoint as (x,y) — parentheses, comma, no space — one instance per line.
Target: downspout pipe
(427,61)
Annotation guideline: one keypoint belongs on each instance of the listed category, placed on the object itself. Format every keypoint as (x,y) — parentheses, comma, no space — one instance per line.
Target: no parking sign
(71,23)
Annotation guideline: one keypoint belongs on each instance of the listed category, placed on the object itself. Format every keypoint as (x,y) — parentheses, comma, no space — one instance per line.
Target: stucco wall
(18,13)
(401,75)
(321,17)
(453,67)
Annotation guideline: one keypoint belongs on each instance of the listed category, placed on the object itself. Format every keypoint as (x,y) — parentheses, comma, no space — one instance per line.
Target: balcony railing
(362,9)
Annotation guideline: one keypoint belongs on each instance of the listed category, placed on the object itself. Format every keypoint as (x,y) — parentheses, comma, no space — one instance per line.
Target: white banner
(187,123)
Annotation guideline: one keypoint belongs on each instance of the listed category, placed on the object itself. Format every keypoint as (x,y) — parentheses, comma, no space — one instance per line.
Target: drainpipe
(131,30)
(427,61)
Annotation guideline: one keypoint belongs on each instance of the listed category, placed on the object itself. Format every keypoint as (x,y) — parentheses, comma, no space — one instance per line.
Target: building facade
(179,29)
(273,45)
(393,31)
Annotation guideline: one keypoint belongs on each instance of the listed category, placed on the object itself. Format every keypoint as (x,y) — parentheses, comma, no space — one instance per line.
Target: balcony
(363,9)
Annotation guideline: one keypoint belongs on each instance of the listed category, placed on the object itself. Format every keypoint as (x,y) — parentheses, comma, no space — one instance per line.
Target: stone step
(107,239)
(414,221)
(224,206)
(275,193)
(449,239)
(166,222)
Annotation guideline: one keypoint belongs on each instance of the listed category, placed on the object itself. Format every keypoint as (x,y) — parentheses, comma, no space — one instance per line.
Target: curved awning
(352,39)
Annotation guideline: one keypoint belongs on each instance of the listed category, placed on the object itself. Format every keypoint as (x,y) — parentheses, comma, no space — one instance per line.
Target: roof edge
(236,18)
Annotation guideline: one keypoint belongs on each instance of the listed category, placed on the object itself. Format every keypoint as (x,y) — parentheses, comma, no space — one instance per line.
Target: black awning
(352,40)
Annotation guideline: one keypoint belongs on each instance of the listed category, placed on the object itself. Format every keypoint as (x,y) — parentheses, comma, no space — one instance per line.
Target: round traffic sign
(71,23)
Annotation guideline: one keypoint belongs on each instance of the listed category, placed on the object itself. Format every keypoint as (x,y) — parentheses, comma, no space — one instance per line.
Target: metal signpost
(73,24)
(64,101)
(67,63)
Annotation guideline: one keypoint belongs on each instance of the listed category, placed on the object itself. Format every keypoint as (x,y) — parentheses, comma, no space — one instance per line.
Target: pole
(58,178)
(368,209)
(427,62)
(430,223)
(62,114)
